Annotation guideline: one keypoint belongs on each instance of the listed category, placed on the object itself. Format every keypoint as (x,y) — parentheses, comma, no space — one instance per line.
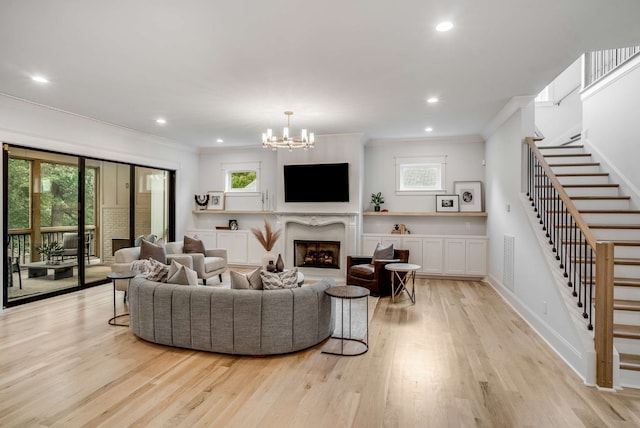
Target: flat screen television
(327,182)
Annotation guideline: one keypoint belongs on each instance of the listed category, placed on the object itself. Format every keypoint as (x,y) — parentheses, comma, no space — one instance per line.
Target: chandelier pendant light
(305,141)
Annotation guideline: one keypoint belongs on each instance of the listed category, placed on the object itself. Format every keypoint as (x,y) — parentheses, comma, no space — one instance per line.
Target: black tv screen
(327,182)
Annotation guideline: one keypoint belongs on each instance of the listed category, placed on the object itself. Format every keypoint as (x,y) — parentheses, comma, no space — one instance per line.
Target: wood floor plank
(459,356)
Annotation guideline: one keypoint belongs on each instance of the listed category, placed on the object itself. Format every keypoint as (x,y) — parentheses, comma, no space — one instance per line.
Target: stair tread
(616,261)
(586,198)
(568,155)
(560,147)
(603,226)
(575,164)
(577,186)
(630,358)
(617,282)
(580,174)
(609,211)
(626,328)
(619,243)
(621,304)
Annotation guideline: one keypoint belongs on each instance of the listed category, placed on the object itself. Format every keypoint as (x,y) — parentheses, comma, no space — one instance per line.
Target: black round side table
(113,276)
(348,345)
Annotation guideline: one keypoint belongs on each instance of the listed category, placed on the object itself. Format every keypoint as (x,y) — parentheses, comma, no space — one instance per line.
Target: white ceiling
(228,69)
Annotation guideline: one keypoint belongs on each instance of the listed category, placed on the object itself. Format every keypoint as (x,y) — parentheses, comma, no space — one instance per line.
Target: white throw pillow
(246,281)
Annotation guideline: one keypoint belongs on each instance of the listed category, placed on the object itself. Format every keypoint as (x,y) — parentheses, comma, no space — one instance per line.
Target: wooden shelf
(230,212)
(424,214)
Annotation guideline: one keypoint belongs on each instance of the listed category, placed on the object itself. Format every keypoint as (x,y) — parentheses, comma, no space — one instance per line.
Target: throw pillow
(138,241)
(180,274)
(154,251)
(279,280)
(141,266)
(191,245)
(239,281)
(383,252)
(158,271)
(246,281)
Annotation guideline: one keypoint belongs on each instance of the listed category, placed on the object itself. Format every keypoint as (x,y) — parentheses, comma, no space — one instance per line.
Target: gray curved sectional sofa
(246,322)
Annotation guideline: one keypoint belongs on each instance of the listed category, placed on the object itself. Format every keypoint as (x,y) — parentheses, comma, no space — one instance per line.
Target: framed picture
(447,203)
(233,224)
(470,193)
(216,200)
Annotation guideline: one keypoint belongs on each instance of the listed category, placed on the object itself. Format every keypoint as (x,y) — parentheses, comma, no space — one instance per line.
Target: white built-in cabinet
(242,247)
(438,255)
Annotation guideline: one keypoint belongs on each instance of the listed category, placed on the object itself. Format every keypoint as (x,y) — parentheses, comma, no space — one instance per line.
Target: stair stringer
(579,324)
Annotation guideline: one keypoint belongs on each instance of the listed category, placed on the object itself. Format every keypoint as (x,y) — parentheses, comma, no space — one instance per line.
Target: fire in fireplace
(317,254)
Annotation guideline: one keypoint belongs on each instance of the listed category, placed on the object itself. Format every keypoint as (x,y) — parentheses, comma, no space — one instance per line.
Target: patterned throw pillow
(154,251)
(246,281)
(158,271)
(180,274)
(141,266)
(383,252)
(279,280)
(191,245)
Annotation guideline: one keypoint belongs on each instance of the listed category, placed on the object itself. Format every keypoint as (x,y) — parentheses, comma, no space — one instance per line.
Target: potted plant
(377,199)
(267,239)
(49,251)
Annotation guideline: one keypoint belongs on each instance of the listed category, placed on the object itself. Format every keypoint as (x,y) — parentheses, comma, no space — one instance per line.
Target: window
(545,97)
(242,178)
(420,175)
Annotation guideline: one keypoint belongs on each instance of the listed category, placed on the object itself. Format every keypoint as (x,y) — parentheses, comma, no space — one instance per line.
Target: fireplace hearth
(317,254)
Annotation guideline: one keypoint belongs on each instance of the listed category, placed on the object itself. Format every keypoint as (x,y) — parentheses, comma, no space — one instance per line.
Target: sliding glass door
(65,216)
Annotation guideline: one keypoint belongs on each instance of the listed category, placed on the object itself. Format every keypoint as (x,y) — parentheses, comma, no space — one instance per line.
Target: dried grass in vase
(269,237)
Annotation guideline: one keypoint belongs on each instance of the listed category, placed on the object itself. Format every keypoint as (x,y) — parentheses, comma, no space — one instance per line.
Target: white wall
(31,125)
(611,115)
(559,122)
(464,162)
(533,281)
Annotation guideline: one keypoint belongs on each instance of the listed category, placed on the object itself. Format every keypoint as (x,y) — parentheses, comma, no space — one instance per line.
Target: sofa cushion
(362,271)
(153,251)
(278,280)
(192,245)
(382,252)
(246,281)
(214,263)
(180,274)
(158,271)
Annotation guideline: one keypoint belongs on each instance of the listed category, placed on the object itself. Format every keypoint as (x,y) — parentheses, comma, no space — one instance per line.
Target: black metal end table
(113,276)
(348,345)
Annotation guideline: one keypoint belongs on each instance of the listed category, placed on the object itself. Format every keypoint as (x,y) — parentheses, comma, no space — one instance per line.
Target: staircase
(609,218)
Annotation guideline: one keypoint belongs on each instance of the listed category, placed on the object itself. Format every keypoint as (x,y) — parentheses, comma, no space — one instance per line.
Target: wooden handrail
(571,208)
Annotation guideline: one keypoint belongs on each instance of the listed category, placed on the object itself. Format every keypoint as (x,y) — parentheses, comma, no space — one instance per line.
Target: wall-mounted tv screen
(328,182)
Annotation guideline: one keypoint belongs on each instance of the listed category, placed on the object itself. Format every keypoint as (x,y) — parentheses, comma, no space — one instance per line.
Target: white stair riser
(616,234)
(627,346)
(627,293)
(626,318)
(611,218)
(626,252)
(564,151)
(619,271)
(592,191)
(598,179)
(630,378)
(569,159)
(601,204)
(575,169)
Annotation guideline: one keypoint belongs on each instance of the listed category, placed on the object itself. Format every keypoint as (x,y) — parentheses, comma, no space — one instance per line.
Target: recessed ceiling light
(433,100)
(444,26)
(429,129)
(40,79)
(161,121)
(219,140)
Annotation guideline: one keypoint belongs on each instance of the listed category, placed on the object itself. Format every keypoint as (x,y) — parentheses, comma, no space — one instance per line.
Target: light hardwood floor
(458,357)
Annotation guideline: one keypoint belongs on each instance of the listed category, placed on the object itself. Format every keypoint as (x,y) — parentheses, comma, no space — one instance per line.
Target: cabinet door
(414,245)
(207,237)
(432,255)
(236,245)
(455,262)
(476,257)
(255,250)
(397,242)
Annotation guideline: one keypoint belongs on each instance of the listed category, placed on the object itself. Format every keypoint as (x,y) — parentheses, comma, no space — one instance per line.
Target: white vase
(268,256)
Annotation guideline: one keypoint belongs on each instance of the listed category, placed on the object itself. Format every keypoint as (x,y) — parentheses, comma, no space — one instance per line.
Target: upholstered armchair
(70,242)
(367,273)
(211,262)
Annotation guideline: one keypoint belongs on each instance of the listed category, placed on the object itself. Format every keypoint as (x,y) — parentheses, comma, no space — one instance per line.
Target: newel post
(604,314)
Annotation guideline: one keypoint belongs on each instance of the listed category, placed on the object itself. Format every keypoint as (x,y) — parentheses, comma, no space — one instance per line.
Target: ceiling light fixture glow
(444,26)
(40,79)
(433,100)
(428,129)
(219,140)
(161,121)
(286,142)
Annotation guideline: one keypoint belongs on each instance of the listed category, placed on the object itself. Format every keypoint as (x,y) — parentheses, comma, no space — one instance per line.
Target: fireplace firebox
(317,254)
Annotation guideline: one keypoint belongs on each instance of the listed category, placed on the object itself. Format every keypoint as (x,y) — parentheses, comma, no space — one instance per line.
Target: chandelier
(286,142)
